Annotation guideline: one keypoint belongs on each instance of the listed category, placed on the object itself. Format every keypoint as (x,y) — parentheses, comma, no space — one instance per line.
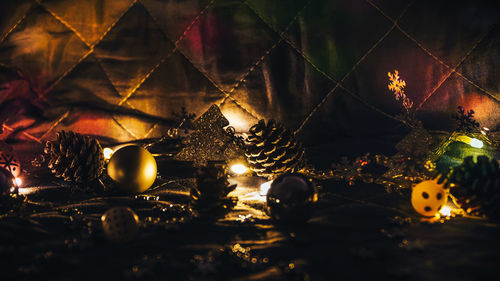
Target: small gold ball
(428,197)
(120,224)
(133,167)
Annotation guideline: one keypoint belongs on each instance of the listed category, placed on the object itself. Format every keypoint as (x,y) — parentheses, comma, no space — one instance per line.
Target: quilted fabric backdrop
(119,69)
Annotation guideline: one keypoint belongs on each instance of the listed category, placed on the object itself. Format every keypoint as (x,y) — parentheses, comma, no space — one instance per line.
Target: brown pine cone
(209,198)
(272,150)
(74,157)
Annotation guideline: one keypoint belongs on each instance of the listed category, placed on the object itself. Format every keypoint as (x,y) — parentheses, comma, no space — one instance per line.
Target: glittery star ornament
(209,141)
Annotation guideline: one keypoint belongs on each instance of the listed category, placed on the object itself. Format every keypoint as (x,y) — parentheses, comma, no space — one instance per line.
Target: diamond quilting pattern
(450,37)
(175,16)
(304,89)
(132,48)
(89,18)
(310,63)
(336,34)
(37,47)
(210,45)
(11,14)
(175,84)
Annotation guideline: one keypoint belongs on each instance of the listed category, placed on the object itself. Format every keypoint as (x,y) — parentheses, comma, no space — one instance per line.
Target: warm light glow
(239,169)
(476,143)
(237,119)
(18,182)
(108,152)
(264,188)
(445,211)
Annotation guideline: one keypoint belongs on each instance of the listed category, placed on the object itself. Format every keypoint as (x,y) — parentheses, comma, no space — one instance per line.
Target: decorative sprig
(465,121)
(397,85)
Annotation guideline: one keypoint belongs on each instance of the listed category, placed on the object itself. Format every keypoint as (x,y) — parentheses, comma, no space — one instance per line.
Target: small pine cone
(209,198)
(477,188)
(272,150)
(74,157)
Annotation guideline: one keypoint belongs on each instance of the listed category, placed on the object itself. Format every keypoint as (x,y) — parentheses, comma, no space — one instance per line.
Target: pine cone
(209,198)
(477,188)
(272,150)
(74,157)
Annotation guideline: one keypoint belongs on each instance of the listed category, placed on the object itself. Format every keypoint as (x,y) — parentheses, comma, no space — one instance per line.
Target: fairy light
(108,152)
(239,169)
(485,131)
(445,211)
(470,141)
(476,143)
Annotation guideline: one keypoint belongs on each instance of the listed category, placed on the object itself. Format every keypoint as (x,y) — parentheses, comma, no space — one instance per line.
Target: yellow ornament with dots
(428,197)
(133,168)
(120,224)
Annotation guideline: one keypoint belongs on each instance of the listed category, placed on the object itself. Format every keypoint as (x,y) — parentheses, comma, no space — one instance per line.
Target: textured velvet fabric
(120,68)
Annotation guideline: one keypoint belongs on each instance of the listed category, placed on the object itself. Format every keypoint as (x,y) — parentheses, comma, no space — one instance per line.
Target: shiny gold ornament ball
(133,168)
(120,224)
(428,197)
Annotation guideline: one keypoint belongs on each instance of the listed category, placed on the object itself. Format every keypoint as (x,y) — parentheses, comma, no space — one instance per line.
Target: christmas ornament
(428,197)
(209,198)
(209,141)
(477,186)
(120,224)
(7,183)
(457,146)
(467,140)
(272,150)
(133,168)
(10,161)
(74,157)
(290,198)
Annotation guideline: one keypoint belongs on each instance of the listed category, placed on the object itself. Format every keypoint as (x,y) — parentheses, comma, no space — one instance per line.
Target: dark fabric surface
(355,233)
(120,68)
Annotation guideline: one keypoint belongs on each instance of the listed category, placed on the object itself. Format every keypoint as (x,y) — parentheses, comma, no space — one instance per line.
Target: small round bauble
(133,168)
(10,162)
(428,197)
(290,198)
(120,224)
(7,184)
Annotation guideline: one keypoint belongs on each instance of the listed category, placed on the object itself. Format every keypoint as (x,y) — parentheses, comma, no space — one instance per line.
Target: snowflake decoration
(465,120)
(397,85)
(10,163)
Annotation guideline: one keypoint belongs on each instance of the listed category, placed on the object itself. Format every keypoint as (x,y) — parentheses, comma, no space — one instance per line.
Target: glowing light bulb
(108,152)
(239,169)
(476,143)
(264,188)
(18,182)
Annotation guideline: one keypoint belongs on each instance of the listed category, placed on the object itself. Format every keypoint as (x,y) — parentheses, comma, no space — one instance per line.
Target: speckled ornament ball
(120,224)
(133,168)
(7,184)
(10,162)
(290,198)
(428,197)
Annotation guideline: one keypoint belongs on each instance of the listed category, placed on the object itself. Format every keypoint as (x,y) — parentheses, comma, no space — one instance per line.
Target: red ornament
(10,162)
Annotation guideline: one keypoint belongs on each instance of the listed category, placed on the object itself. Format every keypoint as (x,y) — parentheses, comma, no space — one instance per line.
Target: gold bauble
(120,224)
(133,168)
(428,197)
